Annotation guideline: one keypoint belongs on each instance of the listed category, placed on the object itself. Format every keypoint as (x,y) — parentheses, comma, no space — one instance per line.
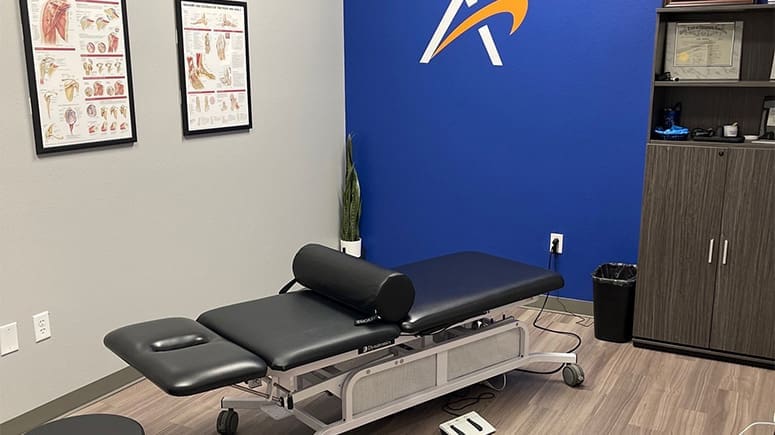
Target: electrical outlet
(559,237)
(9,339)
(42,326)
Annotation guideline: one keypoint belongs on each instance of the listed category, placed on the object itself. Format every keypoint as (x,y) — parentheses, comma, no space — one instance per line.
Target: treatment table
(380,340)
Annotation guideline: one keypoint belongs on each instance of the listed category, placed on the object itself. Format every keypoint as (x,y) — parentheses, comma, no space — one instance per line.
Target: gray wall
(169,226)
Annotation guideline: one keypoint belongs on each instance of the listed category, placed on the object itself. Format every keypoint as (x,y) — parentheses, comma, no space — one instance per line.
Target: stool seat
(92,424)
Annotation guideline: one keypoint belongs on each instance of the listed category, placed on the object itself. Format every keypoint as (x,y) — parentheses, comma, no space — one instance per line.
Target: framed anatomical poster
(79,73)
(214,66)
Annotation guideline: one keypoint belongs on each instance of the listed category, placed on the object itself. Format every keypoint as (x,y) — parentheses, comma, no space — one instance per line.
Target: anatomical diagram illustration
(48,97)
(214,67)
(47,69)
(54,21)
(201,20)
(111,14)
(228,21)
(197,70)
(88,67)
(50,133)
(102,22)
(220,47)
(193,75)
(226,77)
(71,118)
(86,23)
(70,87)
(76,55)
(112,43)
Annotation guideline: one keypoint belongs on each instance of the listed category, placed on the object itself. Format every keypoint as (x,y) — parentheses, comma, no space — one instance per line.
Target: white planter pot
(351,248)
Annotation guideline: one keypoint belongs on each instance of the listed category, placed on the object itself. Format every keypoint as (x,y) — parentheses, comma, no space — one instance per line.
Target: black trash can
(613,293)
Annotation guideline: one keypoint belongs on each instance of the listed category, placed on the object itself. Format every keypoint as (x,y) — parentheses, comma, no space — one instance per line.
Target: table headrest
(356,283)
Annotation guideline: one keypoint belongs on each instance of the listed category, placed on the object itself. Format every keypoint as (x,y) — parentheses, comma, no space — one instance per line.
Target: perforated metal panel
(483,353)
(394,383)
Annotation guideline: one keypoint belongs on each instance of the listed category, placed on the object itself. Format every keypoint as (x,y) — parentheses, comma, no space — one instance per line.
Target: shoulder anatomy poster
(79,73)
(214,66)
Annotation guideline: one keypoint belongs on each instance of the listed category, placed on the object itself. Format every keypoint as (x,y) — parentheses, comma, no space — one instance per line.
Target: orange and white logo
(440,40)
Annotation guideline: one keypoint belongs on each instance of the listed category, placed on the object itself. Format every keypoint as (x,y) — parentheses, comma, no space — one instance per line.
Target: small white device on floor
(468,424)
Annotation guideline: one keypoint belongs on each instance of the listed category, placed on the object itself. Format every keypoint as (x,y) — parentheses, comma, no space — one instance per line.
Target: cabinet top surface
(717,8)
(695,144)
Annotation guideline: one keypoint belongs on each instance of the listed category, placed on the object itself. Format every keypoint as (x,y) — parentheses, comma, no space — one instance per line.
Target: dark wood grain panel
(713,107)
(758,37)
(744,308)
(682,202)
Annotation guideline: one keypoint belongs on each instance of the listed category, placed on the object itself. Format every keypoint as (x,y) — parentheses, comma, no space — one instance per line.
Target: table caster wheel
(227,422)
(573,375)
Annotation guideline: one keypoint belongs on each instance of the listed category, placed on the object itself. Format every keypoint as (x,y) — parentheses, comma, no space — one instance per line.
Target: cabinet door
(744,311)
(682,206)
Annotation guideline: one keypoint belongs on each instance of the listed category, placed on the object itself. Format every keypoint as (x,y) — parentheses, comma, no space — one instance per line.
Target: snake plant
(351,198)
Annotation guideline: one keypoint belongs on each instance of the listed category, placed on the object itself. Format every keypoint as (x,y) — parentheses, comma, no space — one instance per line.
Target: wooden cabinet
(706,281)
(706,266)
(682,205)
(744,306)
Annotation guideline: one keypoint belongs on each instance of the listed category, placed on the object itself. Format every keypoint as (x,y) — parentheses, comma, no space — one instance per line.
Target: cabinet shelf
(693,143)
(715,84)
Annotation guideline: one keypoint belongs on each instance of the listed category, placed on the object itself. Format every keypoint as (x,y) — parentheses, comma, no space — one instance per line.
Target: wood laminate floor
(627,391)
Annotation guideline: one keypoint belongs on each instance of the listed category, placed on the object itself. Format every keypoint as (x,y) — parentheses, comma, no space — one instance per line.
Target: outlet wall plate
(9,339)
(42,326)
(560,245)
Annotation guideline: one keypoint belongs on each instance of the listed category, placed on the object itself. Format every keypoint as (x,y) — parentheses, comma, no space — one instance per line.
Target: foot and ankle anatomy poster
(79,73)
(214,66)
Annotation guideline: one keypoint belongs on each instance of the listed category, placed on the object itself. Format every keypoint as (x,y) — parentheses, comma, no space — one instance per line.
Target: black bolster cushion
(354,282)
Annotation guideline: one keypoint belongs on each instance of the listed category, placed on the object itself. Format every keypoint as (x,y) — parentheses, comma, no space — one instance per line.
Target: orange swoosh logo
(517,9)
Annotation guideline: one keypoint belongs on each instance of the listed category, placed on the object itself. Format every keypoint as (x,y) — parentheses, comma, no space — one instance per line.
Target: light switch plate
(9,339)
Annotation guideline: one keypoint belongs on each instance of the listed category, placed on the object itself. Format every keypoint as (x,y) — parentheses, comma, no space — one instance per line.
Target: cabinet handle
(710,251)
(724,256)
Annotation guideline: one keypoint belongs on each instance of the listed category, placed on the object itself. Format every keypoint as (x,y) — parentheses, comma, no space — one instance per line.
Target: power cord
(552,254)
(583,321)
(457,402)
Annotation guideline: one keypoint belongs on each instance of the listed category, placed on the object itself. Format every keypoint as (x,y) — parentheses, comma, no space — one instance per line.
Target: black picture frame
(30,49)
(766,130)
(185,65)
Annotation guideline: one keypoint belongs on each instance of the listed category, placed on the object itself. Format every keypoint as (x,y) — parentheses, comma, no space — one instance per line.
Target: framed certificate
(79,73)
(214,66)
(704,51)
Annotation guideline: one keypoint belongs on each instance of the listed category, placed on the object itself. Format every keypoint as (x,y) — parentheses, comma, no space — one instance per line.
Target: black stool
(93,424)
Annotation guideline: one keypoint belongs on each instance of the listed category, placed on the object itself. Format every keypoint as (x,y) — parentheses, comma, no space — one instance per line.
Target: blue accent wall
(461,155)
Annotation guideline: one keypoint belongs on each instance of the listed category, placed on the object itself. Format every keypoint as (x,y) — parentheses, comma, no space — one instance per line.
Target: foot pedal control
(275,412)
(467,424)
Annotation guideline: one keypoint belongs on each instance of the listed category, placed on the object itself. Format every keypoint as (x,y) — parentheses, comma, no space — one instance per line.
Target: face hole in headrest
(176,343)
